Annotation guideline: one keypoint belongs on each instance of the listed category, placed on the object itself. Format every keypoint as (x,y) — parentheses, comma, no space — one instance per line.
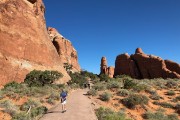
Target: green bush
(170,93)
(40,78)
(123,92)
(107,114)
(9,107)
(171,84)
(105,96)
(140,87)
(100,86)
(89,74)
(155,97)
(104,77)
(30,103)
(164,104)
(177,108)
(134,99)
(159,116)
(21,116)
(51,101)
(38,111)
(13,84)
(129,84)
(92,92)
(113,84)
(77,78)
(176,99)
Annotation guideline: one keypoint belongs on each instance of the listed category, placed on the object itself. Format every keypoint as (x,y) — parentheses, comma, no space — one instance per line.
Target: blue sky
(108,28)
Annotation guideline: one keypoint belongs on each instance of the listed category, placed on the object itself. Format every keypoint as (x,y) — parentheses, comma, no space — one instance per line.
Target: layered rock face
(65,49)
(24,41)
(141,65)
(105,69)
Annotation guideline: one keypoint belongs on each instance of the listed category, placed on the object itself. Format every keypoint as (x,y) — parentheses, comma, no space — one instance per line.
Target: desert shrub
(77,78)
(38,111)
(108,114)
(123,92)
(54,96)
(30,103)
(100,86)
(129,84)
(177,108)
(134,99)
(21,116)
(14,87)
(164,104)
(176,99)
(40,78)
(159,116)
(89,74)
(105,96)
(140,87)
(151,91)
(13,84)
(51,101)
(113,84)
(9,107)
(104,77)
(92,92)
(171,84)
(155,97)
(170,93)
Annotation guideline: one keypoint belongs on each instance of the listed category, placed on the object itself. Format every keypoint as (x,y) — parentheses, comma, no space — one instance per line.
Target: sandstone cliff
(24,41)
(65,49)
(141,65)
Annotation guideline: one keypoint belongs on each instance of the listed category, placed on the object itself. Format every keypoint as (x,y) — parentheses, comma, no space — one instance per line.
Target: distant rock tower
(105,69)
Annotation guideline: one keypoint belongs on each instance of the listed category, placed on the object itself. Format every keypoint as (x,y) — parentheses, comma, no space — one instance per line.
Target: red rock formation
(172,66)
(125,66)
(65,49)
(141,65)
(111,71)
(105,69)
(24,41)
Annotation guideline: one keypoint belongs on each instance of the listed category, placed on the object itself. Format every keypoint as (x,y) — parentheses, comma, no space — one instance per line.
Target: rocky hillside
(141,65)
(25,43)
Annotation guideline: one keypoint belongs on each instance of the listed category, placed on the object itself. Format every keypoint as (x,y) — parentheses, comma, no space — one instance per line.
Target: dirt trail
(79,107)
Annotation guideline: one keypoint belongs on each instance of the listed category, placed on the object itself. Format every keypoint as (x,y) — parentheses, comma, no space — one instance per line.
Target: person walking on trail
(63,96)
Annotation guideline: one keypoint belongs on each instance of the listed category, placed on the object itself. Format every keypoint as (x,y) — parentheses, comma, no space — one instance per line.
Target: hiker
(63,96)
(88,84)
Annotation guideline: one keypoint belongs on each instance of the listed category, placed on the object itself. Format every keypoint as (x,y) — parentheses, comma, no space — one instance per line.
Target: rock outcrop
(105,69)
(24,41)
(65,49)
(141,65)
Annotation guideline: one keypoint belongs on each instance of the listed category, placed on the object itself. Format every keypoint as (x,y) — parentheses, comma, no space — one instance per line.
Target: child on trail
(63,96)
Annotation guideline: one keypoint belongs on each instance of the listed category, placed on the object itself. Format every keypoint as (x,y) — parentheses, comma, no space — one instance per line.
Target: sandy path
(79,107)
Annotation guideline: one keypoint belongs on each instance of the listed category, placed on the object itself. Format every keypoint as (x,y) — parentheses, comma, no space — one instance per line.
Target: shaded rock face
(105,69)
(125,66)
(65,49)
(24,41)
(141,65)
(172,66)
